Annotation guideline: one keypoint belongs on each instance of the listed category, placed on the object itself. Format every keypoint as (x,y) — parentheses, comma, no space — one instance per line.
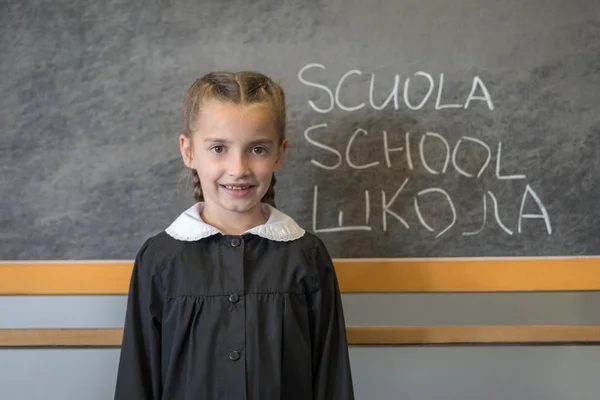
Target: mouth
(237,187)
(238,190)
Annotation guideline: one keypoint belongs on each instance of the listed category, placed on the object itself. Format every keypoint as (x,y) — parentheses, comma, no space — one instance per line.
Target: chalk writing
(350,163)
(485,164)
(544,214)
(386,207)
(429,228)
(450,154)
(484,214)
(340,227)
(421,152)
(439,155)
(387,211)
(477,92)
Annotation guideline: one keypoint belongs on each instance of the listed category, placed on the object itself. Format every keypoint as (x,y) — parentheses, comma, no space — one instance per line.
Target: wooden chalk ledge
(355,276)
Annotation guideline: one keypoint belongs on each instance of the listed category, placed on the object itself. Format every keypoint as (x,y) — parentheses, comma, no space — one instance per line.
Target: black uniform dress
(256,316)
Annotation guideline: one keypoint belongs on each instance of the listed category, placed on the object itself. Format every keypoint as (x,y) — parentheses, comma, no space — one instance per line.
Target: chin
(239,205)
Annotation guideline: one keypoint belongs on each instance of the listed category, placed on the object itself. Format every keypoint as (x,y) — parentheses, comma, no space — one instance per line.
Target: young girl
(234,300)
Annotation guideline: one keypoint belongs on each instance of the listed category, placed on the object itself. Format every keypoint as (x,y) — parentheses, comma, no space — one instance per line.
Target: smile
(237,187)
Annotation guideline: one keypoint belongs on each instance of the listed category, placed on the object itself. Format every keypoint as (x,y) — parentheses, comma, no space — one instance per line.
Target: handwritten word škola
(477,93)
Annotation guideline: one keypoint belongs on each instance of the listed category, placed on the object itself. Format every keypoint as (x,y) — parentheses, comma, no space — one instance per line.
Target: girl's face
(235,149)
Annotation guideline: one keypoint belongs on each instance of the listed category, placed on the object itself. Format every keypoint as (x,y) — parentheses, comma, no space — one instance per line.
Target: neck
(231,222)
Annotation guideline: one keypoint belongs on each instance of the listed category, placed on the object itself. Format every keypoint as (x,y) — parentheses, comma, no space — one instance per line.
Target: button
(235,242)
(234,298)
(234,355)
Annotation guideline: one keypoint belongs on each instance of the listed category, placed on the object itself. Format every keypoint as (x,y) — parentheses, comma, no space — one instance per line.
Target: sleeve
(332,377)
(139,369)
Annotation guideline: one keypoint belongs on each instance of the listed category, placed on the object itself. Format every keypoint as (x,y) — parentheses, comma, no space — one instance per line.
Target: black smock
(236,318)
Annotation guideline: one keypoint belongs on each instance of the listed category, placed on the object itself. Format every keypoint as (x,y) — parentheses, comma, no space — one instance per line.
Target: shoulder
(321,269)
(314,250)
(311,242)
(157,249)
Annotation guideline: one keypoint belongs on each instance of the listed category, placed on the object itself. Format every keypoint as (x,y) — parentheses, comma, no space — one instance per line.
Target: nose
(239,166)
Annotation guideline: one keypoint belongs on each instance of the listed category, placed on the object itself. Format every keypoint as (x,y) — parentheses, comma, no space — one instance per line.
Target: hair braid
(269,197)
(197,187)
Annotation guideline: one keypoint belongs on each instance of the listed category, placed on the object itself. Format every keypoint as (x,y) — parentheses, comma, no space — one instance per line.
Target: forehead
(235,120)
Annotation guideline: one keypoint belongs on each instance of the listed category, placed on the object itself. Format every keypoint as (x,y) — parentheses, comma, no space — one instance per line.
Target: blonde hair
(245,88)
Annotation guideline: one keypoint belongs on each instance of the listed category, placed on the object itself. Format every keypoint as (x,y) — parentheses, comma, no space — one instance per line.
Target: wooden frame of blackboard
(417,275)
(355,276)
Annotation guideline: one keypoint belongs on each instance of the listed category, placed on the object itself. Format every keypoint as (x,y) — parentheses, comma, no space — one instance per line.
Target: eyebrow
(254,142)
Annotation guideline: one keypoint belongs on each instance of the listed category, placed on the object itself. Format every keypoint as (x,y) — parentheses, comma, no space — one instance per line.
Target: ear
(185,146)
(281,154)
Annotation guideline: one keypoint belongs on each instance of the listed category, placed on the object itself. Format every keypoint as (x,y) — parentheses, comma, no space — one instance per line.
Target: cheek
(197,155)
(265,166)
(209,168)
(265,173)
(201,161)
(207,180)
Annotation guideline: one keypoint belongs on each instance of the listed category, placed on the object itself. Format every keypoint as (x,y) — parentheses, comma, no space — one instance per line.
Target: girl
(234,300)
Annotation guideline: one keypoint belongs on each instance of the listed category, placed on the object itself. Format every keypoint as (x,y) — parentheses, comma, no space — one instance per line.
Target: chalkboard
(417,128)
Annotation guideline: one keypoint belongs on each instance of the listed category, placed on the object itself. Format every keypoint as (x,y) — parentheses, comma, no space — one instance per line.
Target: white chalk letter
(340,228)
(350,163)
(498,215)
(544,214)
(393,95)
(498,166)
(483,222)
(486,95)
(408,156)
(439,97)
(422,152)
(387,150)
(429,228)
(487,161)
(337,92)
(386,207)
(322,146)
(317,85)
(367,207)
(422,103)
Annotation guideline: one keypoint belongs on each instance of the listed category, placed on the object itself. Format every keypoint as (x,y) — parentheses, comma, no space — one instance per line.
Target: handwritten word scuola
(478,92)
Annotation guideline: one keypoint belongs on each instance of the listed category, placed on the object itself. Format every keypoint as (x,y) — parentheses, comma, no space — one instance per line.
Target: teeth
(236,187)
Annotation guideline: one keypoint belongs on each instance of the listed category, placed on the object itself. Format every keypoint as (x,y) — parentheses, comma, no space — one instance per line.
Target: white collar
(279,227)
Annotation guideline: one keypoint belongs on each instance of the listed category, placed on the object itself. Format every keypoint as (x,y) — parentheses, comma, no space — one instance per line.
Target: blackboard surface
(417,128)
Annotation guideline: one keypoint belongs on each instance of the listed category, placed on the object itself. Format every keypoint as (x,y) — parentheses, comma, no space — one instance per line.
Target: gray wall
(523,372)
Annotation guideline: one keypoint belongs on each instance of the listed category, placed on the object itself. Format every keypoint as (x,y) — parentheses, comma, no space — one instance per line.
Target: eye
(259,150)
(217,149)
